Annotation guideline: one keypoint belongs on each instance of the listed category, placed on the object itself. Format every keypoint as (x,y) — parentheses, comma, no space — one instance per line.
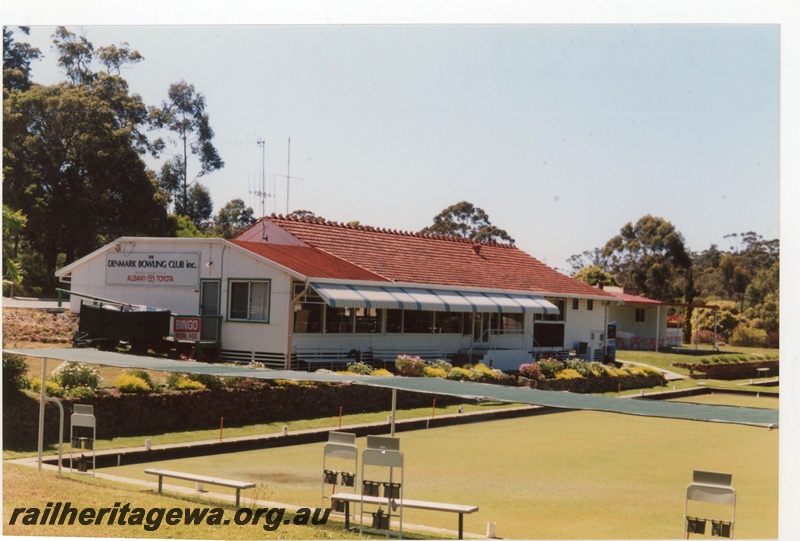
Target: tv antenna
(262,191)
(288,175)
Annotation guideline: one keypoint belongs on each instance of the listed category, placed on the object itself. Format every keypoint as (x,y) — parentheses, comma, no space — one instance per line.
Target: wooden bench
(349,497)
(389,355)
(321,356)
(238,485)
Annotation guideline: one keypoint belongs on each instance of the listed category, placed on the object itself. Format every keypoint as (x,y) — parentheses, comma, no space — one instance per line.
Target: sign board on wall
(187,328)
(153,269)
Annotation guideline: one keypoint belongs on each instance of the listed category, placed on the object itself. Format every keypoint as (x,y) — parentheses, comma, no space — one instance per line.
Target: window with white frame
(507,323)
(249,300)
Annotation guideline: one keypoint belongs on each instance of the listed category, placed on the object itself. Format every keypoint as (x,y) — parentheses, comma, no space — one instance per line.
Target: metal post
(41,412)
(60,429)
(658,324)
(394,408)
(290,323)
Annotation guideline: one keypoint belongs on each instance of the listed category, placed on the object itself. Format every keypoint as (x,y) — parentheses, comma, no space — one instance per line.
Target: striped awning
(440,300)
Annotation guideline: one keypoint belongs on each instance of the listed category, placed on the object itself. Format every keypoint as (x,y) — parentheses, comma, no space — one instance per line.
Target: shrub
(614,372)
(774,339)
(187,384)
(359,368)
(178,381)
(530,371)
(14,369)
(441,363)
(481,372)
(291,382)
(143,375)
(458,374)
(706,337)
(381,372)
(71,374)
(568,373)
(51,388)
(550,367)
(127,383)
(581,367)
(81,393)
(410,366)
(745,336)
(502,378)
(209,381)
(597,369)
(433,372)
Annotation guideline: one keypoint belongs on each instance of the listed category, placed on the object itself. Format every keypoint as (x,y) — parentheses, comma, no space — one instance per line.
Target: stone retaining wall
(154,413)
(728,371)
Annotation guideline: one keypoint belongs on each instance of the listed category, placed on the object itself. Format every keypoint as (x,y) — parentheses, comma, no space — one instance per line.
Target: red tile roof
(424,259)
(634,299)
(309,261)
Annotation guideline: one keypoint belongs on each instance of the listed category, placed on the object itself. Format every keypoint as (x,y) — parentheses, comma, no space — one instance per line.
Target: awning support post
(290,325)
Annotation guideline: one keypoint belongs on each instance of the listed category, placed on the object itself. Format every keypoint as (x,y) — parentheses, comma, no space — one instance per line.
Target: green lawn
(572,475)
(24,487)
(688,354)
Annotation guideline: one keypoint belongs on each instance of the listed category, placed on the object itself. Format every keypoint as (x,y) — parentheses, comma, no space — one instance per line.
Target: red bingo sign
(187,328)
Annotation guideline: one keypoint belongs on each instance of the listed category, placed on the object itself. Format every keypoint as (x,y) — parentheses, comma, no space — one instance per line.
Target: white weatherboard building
(290,290)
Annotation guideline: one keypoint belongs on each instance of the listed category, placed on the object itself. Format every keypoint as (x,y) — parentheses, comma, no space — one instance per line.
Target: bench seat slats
(201,478)
(415,504)
(318,355)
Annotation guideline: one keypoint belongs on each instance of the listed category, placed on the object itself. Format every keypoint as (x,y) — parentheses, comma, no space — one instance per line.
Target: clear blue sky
(561,133)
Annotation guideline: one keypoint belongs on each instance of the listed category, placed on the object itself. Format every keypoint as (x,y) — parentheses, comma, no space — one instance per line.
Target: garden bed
(731,369)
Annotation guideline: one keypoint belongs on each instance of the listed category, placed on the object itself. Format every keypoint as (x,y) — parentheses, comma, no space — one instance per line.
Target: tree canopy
(465,220)
(17,59)
(184,115)
(72,159)
(232,219)
(651,257)
(73,162)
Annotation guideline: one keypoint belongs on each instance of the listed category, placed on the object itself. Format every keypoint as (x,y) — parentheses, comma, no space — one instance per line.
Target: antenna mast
(262,191)
(288,175)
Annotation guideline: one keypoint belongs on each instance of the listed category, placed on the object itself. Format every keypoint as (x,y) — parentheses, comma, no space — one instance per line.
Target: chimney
(477,249)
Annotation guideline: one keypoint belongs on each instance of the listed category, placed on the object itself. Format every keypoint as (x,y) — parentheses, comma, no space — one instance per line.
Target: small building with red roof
(641,323)
(291,289)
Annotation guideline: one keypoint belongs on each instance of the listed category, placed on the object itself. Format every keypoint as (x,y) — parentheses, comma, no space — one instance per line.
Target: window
(562,308)
(640,315)
(449,322)
(590,304)
(338,320)
(368,320)
(417,321)
(575,304)
(249,300)
(309,310)
(394,321)
(508,323)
